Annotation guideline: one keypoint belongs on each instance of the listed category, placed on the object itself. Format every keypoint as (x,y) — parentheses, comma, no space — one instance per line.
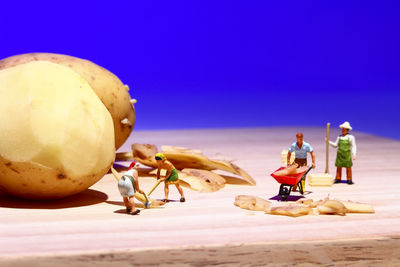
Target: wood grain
(94,223)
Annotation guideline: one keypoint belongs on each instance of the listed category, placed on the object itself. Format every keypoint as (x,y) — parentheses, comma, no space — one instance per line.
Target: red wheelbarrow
(287,182)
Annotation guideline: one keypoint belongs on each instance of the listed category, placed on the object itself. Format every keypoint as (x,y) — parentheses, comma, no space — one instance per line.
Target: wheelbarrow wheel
(284,192)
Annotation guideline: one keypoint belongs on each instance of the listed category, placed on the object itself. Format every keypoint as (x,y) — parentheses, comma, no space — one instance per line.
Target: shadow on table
(85,198)
(137,204)
(290,197)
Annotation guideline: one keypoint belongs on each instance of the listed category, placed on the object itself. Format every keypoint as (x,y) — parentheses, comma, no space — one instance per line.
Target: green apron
(343,157)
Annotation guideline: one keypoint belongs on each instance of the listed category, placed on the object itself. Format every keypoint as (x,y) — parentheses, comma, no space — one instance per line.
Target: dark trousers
(301,162)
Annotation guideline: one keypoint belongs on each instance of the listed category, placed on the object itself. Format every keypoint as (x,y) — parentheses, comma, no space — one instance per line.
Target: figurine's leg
(338,175)
(134,211)
(127,205)
(166,191)
(132,202)
(180,192)
(349,175)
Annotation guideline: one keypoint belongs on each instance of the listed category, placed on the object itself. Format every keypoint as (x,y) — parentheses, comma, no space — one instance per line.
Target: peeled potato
(111,91)
(57,137)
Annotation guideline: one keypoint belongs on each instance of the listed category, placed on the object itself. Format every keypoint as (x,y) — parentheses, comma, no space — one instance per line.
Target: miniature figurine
(301,149)
(346,153)
(171,177)
(128,185)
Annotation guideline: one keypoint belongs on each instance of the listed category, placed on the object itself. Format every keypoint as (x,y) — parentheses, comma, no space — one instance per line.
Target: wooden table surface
(94,222)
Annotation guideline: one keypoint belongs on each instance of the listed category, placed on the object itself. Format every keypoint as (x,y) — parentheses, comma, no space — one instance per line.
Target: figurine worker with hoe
(171,177)
(346,153)
(301,149)
(128,185)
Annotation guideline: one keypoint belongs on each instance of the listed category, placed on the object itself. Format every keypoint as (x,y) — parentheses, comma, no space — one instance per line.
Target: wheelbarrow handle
(309,169)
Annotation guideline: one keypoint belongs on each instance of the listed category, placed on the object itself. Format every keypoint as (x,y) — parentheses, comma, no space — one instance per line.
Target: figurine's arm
(158,172)
(169,167)
(137,186)
(137,189)
(334,144)
(136,176)
(313,158)
(288,157)
(169,170)
(353,147)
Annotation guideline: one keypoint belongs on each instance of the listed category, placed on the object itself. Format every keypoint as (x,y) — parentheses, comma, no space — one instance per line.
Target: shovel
(327,148)
(154,187)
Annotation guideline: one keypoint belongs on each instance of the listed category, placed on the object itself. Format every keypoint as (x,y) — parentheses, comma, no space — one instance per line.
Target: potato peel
(291,211)
(183,158)
(202,180)
(251,203)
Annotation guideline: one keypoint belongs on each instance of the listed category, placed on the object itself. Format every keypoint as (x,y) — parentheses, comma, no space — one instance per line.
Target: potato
(57,137)
(111,91)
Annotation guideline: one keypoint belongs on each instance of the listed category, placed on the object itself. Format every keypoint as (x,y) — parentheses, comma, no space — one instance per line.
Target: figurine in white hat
(346,153)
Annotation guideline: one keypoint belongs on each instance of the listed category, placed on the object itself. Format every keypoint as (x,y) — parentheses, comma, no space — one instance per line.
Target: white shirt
(351,139)
(131,173)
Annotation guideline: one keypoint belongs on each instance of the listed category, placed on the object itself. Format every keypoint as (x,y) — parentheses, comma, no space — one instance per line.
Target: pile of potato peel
(195,169)
(303,206)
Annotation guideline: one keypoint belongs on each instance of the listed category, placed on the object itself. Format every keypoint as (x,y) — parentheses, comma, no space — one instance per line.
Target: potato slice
(179,149)
(251,203)
(292,211)
(291,170)
(202,180)
(333,207)
(57,136)
(356,207)
(199,180)
(308,202)
(111,91)
(143,153)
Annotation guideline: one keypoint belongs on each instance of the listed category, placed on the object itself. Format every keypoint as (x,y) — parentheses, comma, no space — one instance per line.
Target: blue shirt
(300,153)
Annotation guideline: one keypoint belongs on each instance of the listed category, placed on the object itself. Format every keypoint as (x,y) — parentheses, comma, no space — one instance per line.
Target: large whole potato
(111,91)
(56,136)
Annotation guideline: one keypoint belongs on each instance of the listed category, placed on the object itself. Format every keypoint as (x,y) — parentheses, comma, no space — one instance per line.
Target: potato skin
(111,91)
(18,179)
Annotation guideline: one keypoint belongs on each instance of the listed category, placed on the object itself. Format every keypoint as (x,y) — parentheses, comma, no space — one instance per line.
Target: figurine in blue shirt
(300,149)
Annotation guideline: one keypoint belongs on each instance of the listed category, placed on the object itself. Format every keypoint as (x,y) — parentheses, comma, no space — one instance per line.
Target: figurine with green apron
(346,153)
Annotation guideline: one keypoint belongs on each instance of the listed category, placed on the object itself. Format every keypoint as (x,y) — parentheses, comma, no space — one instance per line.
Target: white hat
(346,125)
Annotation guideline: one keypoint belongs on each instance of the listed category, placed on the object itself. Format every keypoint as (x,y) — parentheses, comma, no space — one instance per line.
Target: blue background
(214,64)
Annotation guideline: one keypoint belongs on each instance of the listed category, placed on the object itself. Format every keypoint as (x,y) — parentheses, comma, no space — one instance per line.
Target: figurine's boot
(349,176)
(338,175)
